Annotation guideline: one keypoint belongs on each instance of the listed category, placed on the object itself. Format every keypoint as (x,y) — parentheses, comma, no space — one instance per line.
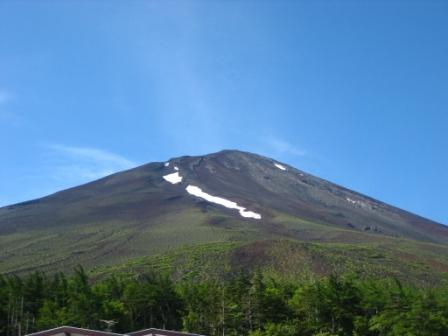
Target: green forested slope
(246,304)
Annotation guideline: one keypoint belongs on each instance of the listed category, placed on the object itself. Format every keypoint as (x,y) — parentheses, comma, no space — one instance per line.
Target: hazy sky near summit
(352,91)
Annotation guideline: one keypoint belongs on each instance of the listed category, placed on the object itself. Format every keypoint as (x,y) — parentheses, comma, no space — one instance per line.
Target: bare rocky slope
(229,196)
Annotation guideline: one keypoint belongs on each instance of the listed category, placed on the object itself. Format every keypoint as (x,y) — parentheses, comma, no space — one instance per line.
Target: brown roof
(89,332)
(160,332)
(72,330)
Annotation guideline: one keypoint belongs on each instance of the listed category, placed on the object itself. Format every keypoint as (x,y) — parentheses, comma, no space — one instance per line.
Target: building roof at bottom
(160,332)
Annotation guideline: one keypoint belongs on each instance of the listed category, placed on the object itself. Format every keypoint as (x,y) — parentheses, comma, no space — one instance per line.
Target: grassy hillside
(207,244)
(292,260)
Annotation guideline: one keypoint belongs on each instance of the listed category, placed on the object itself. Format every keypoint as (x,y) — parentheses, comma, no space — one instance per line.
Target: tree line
(245,304)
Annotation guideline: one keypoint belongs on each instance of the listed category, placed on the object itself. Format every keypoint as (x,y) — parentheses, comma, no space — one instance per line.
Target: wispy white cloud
(61,167)
(82,164)
(93,154)
(281,146)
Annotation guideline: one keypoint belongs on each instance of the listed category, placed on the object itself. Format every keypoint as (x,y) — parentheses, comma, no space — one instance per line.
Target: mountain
(242,208)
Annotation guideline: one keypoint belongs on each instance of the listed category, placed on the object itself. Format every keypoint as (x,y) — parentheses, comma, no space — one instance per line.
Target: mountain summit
(229,196)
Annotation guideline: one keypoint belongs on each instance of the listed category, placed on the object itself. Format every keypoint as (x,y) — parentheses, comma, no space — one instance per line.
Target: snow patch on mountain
(279,166)
(360,204)
(196,191)
(173,178)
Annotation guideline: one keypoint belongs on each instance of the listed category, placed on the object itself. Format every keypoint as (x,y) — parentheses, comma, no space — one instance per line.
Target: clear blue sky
(352,91)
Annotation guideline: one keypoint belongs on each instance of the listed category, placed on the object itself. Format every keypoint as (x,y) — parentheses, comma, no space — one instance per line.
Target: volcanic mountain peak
(225,196)
(175,178)
(268,186)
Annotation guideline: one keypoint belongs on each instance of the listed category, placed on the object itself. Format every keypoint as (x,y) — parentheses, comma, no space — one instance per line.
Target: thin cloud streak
(94,154)
(64,167)
(74,165)
(281,146)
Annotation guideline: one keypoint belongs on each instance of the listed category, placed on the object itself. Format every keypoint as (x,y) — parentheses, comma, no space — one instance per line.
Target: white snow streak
(173,178)
(358,203)
(279,166)
(176,168)
(166,164)
(196,191)
(351,201)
